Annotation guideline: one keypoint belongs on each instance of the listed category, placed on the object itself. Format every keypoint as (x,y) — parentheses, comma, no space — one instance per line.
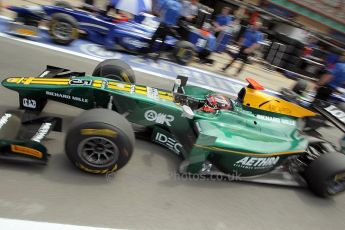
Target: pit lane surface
(145,194)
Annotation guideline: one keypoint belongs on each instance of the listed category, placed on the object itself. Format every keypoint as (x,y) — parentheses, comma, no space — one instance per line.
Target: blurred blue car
(67,23)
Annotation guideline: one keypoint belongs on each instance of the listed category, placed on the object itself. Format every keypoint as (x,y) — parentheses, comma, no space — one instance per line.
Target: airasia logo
(136,43)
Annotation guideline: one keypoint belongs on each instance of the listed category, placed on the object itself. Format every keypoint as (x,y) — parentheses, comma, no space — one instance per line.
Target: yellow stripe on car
(49,83)
(137,87)
(169,98)
(119,88)
(52,79)
(97,85)
(143,92)
(27,81)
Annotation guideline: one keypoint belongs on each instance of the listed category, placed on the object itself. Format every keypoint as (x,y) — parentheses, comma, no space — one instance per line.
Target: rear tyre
(63,29)
(100,141)
(326,174)
(116,70)
(300,87)
(184,52)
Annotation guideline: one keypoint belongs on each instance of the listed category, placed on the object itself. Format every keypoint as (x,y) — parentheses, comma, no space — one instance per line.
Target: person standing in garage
(222,20)
(189,10)
(330,81)
(189,14)
(170,12)
(111,5)
(250,42)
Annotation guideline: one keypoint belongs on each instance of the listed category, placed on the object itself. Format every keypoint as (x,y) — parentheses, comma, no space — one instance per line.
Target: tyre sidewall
(121,140)
(180,51)
(73,36)
(323,170)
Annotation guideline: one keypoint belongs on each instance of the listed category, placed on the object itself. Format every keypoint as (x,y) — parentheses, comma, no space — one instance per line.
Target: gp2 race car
(66,23)
(255,136)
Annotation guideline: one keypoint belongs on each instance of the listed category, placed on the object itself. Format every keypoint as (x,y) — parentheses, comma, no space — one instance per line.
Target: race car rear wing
(331,112)
(328,111)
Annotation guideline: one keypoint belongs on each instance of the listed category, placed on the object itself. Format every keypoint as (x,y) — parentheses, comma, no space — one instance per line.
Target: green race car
(255,136)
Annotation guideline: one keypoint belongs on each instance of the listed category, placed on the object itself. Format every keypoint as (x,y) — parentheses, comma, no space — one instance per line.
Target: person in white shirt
(189,10)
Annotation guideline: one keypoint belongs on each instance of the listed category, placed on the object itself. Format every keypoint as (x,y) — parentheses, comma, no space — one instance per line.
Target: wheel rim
(98,151)
(63,30)
(185,55)
(336,185)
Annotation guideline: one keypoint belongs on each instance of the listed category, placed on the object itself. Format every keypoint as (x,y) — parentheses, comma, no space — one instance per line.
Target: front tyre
(100,141)
(326,174)
(63,29)
(184,52)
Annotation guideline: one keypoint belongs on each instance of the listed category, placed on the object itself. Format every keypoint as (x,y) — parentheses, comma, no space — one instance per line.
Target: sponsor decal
(26,151)
(14,80)
(26,32)
(160,118)
(152,93)
(201,43)
(4,119)
(336,112)
(99,51)
(98,132)
(93,25)
(104,84)
(135,42)
(132,89)
(257,162)
(277,120)
(42,132)
(80,82)
(29,103)
(65,96)
(168,142)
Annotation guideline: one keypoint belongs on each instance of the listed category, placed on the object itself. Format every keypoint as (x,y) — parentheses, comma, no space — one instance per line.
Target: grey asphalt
(145,194)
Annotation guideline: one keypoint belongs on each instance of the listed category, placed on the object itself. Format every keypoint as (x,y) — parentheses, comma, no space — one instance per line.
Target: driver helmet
(218,101)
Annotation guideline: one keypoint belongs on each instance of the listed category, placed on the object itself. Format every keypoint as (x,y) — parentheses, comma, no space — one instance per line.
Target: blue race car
(67,23)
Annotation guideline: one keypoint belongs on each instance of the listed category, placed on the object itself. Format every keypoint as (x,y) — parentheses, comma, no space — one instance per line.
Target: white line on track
(11,224)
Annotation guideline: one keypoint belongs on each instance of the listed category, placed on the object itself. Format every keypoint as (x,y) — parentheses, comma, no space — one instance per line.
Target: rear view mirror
(187,112)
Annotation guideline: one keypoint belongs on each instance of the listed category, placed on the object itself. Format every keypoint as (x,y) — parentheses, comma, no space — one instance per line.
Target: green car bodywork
(244,139)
